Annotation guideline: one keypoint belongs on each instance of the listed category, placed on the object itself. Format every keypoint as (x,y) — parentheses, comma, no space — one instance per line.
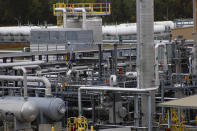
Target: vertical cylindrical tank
(195,36)
(145,55)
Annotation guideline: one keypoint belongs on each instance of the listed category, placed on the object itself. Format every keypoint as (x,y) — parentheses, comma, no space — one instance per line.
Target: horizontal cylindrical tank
(20,30)
(24,111)
(122,29)
(52,108)
(127,29)
(131,28)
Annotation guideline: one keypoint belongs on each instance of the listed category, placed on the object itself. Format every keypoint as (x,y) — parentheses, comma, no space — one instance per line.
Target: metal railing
(92,9)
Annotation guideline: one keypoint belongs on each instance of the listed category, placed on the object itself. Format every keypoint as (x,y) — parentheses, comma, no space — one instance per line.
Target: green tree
(38,11)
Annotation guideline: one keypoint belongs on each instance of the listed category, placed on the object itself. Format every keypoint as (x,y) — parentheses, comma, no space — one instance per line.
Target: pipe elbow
(80,9)
(20,68)
(60,9)
(83,10)
(48,86)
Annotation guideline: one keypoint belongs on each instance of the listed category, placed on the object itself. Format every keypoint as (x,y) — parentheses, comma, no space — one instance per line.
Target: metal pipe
(157,81)
(130,28)
(31,79)
(23,68)
(104,88)
(93,109)
(53,70)
(24,79)
(115,59)
(108,88)
(149,114)
(79,67)
(29,88)
(169,119)
(100,61)
(194,35)
(64,15)
(123,41)
(133,42)
(138,56)
(58,69)
(136,109)
(114,108)
(32,67)
(7,65)
(83,15)
(179,74)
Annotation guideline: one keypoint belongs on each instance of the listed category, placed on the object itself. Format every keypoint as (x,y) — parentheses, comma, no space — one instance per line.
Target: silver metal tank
(52,108)
(145,57)
(24,111)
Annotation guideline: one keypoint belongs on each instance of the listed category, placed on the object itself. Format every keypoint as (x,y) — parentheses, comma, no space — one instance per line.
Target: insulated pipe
(37,67)
(123,41)
(100,61)
(127,29)
(31,79)
(58,69)
(83,15)
(75,68)
(195,36)
(32,67)
(22,30)
(157,81)
(30,88)
(115,59)
(69,72)
(104,88)
(64,15)
(23,68)
(7,65)
(108,29)
(38,72)
(52,70)
(79,67)
(24,79)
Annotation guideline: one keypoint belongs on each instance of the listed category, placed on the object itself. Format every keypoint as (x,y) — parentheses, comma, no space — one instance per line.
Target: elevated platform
(64,52)
(92,9)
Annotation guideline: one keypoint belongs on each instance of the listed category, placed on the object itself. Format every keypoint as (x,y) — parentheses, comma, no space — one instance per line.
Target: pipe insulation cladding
(145,58)
(7,65)
(30,79)
(131,28)
(128,29)
(24,111)
(122,29)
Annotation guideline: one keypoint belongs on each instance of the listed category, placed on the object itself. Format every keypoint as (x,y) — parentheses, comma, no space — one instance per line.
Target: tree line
(13,12)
